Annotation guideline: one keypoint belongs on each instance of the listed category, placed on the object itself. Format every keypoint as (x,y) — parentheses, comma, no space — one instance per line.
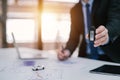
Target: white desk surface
(12,68)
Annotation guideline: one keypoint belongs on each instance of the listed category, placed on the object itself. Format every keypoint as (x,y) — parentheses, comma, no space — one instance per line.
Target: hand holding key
(100,36)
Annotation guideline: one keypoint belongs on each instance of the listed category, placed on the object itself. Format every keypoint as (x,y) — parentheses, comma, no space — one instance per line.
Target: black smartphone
(92,33)
(107,69)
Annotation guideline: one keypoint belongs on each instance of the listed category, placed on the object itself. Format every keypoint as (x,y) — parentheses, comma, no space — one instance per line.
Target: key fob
(92,33)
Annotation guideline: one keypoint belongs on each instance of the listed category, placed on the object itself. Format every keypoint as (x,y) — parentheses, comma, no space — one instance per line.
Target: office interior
(40,24)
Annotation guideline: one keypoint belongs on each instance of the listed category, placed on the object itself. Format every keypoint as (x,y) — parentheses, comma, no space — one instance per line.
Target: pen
(62,49)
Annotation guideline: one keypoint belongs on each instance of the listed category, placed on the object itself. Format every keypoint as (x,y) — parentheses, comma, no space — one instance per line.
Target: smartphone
(107,69)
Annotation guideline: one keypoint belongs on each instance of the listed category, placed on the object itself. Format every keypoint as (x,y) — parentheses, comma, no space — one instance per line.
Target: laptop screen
(29,53)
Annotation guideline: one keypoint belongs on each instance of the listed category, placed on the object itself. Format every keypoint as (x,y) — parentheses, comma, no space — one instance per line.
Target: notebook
(27,54)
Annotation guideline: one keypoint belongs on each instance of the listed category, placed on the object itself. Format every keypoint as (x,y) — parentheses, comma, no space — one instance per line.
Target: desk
(12,68)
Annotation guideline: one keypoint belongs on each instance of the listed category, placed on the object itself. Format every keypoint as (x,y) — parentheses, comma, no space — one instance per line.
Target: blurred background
(40,24)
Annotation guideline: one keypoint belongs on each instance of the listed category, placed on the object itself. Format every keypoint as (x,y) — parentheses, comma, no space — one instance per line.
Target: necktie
(93,50)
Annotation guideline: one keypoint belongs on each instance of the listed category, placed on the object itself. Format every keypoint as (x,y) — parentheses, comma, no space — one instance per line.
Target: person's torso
(99,16)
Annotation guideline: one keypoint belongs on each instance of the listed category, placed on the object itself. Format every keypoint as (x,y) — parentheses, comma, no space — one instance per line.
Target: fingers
(101,32)
(100,29)
(101,36)
(63,55)
(87,36)
(60,55)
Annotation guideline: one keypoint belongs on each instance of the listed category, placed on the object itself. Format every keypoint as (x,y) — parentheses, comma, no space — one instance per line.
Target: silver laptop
(23,54)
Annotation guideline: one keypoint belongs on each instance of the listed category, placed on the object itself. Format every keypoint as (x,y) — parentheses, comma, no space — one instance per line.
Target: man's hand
(101,37)
(63,54)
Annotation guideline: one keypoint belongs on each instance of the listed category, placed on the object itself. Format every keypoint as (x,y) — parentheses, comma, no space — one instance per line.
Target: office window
(23,29)
(55,27)
(21,19)
(55,21)
(72,1)
(22,2)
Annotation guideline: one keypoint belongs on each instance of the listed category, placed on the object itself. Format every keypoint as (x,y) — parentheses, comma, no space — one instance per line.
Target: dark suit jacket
(104,12)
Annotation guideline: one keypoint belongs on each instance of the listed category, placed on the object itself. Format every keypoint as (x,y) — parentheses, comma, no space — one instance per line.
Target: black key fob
(92,33)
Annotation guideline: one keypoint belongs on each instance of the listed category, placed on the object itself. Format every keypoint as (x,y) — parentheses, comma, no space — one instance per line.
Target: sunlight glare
(49,28)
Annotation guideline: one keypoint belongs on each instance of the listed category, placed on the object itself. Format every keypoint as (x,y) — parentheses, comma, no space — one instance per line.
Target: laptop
(26,54)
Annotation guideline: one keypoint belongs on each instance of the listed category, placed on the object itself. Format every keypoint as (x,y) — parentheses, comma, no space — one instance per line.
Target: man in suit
(105,16)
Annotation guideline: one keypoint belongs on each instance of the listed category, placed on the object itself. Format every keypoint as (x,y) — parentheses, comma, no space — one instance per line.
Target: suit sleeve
(113,26)
(74,33)
(113,23)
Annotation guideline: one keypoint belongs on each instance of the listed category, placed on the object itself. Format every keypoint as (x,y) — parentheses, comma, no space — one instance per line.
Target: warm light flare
(54,26)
